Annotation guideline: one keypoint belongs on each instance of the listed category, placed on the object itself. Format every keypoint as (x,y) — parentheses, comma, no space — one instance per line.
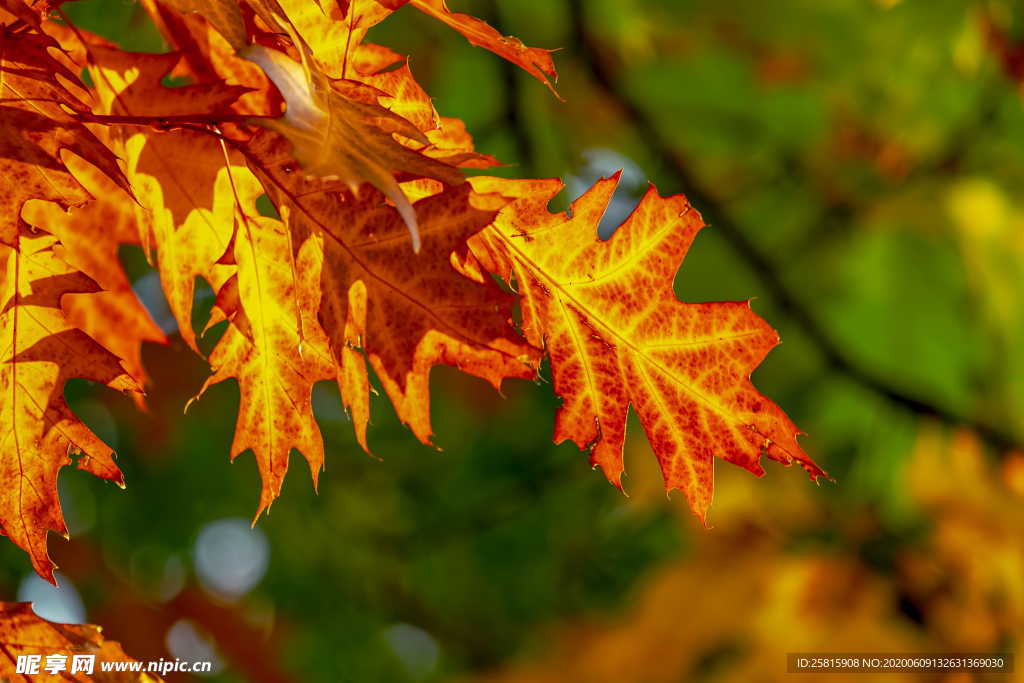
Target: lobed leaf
(405,313)
(617,335)
(22,633)
(276,350)
(39,351)
(89,240)
(38,123)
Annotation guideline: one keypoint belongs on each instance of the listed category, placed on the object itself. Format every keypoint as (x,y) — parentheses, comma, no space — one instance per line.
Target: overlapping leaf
(187,212)
(187,197)
(333,29)
(338,129)
(22,633)
(405,313)
(332,289)
(210,59)
(39,352)
(342,135)
(89,241)
(618,336)
(38,123)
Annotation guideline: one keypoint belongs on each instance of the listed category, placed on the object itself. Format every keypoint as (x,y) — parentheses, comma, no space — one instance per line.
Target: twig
(513,116)
(786,300)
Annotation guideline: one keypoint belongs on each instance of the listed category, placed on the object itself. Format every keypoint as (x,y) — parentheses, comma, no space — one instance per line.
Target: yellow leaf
(39,351)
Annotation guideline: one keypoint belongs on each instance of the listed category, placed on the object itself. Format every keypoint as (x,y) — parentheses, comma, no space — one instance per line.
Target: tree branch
(786,300)
(513,115)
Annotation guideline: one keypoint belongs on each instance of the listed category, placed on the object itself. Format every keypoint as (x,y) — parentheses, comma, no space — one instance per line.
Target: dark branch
(786,300)
(513,115)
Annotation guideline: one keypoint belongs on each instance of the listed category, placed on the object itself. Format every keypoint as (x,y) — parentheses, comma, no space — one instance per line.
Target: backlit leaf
(39,352)
(617,335)
(277,353)
(405,313)
(38,124)
(23,634)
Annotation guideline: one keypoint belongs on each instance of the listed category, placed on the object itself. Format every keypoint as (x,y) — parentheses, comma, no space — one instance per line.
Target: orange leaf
(330,30)
(397,91)
(533,60)
(405,313)
(129,84)
(187,213)
(346,117)
(89,240)
(208,58)
(41,350)
(618,336)
(337,133)
(22,633)
(118,321)
(37,123)
(223,15)
(277,354)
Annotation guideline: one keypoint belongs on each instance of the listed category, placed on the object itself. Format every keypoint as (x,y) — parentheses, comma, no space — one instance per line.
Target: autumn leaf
(331,31)
(534,61)
(196,208)
(90,237)
(209,58)
(129,84)
(223,15)
(404,314)
(617,335)
(22,633)
(337,128)
(188,211)
(187,197)
(396,90)
(41,351)
(356,163)
(335,135)
(39,121)
(276,350)
(30,15)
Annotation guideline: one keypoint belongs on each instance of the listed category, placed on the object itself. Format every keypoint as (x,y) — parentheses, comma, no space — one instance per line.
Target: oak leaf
(396,90)
(347,115)
(223,15)
(209,58)
(401,314)
(188,196)
(188,211)
(22,633)
(535,61)
(333,30)
(330,290)
(275,348)
(129,84)
(336,133)
(39,351)
(90,237)
(617,335)
(39,120)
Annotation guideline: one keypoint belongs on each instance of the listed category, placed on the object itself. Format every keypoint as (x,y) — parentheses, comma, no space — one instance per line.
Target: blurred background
(861,164)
